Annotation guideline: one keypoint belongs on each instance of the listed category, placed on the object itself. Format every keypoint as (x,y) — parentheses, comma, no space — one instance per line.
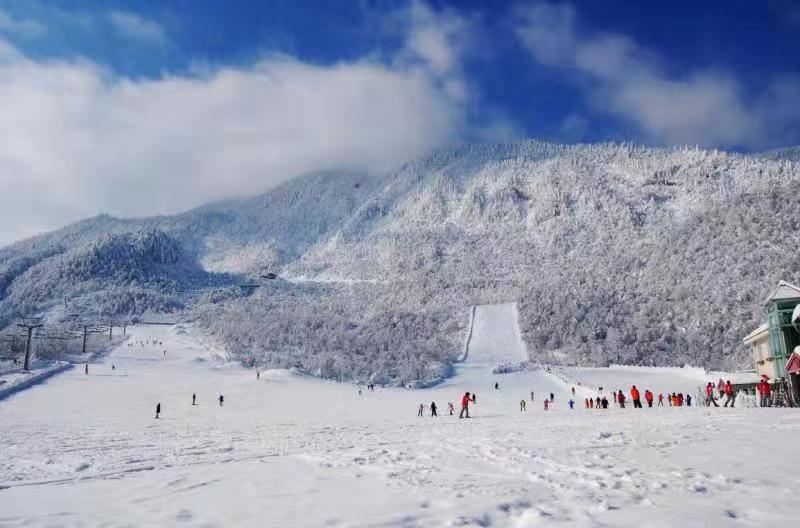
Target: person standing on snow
(194,398)
(710,395)
(637,403)
(465,405)
(450,408)
(86,370)
(621,399)
(604,402)
(521,405)
(221,400)
(433,409)
(660,399)
(571,403)
(546,404)
(648,396)
(731,396)
(474,399)
(552,397)
(531,395)
(158,409)
(597,402)
(420,409)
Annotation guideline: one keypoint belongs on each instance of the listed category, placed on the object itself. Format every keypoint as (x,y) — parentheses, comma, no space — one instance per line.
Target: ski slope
(290,450)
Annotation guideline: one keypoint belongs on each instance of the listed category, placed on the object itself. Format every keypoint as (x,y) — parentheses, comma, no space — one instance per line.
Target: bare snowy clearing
(289,450)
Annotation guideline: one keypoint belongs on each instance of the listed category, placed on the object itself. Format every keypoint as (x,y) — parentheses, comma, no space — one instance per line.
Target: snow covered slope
(496,337)
(288,450)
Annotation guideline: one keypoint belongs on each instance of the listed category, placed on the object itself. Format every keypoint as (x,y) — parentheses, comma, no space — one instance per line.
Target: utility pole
(85,332)
(29,328)
(110,329)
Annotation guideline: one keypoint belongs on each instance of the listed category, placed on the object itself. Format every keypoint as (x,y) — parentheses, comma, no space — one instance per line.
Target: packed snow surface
(291,450)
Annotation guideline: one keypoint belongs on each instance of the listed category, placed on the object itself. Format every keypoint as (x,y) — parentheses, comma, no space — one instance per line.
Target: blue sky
(107,99)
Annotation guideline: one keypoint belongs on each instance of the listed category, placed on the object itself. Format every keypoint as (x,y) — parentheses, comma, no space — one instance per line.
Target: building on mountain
(776,343)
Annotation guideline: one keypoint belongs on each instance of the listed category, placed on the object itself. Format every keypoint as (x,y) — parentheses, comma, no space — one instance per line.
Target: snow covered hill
(613,253)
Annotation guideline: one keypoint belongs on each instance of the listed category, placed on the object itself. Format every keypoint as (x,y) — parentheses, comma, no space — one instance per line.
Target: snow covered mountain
(613,253)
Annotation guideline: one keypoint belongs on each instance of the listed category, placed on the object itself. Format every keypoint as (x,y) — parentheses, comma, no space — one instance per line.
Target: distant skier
(604,402)
(573,391)
(194,399)
(165,352)
(465,405)
(531,395)
(731,396)
(660,399)
(597,403)
(496,385)
(710,395)
(648,397)
(688,400)
(113,367)
(552,397)
(546,404)
(86,370)
(521,405)
(474,399)
(637,402)
(621,399)
(221,400)
(433,409)
(158,409)
(258,374)
(571,403)
(420,409)
(450,407)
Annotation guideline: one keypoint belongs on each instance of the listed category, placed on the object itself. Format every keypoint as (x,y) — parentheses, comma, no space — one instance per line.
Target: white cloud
(136,27)
(76,140)
(706,107)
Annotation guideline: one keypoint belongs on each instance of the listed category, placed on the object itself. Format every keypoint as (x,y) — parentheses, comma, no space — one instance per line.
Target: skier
(660,399)
(621,399)
(258,374)
(474,398)
(194,399)
(450,408)
(573,391)
(688,400)
(552,398)
(710,395)
(648,396)
(571,403)
(586,402)
(433,409)
(637,403)
(531,395)
(730,394)
(420,409)
(464,405)
(221,400)
(604,402)
(521,405)
(113,367)
(546,404)
(165,352)
(496,385)
(158,409)
(86,370)
(597,403)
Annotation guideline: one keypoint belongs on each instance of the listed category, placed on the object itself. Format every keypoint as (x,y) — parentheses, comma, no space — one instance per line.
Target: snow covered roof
(755,333)
(785,290)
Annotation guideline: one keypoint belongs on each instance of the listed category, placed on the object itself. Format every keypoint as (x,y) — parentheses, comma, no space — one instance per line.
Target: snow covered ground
(289,450)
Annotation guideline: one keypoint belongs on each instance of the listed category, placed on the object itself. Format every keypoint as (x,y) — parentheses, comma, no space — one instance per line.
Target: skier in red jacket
(621,399)
(465,405)
(648,396)
(637,402)
(730,396)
